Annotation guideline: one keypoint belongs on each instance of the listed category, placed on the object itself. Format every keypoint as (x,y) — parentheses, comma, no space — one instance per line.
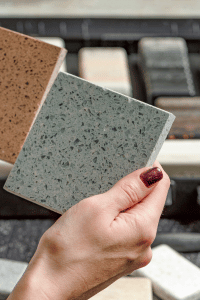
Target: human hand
(99,239)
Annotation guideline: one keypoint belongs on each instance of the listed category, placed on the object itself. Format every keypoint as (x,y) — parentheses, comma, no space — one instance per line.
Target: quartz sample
(10,273)
(107,67)
(127,288)
(165,67)
(28,68)
(173,276)
(85,139)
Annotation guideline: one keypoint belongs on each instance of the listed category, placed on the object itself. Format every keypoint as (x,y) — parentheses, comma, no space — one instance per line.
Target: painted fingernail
(151,176)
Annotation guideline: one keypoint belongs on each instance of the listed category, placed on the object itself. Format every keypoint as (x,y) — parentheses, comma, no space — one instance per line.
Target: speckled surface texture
(83,141)
(28,68)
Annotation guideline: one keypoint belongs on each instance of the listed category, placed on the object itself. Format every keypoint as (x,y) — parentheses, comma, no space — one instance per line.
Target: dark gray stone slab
(165,67)
(84,140)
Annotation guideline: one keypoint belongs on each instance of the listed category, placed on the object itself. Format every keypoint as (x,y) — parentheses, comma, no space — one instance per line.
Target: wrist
(32,285)
(45,279)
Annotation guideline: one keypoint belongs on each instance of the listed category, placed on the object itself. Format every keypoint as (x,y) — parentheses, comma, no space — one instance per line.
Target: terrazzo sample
(85,139)
(173,276)
(28,68)
(127,288)
(107,67)
(10,273)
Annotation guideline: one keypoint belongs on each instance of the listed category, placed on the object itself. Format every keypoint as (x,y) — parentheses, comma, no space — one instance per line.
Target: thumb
(133,188)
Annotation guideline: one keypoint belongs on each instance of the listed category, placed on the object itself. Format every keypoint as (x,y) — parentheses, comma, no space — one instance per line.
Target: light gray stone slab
(85,139)
(10,273)
(173,276)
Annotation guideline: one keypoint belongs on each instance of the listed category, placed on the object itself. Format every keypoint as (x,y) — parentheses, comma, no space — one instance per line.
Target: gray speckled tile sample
(85,138)
(10,273)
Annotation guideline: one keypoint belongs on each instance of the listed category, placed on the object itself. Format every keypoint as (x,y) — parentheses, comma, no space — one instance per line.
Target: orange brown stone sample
(28,68)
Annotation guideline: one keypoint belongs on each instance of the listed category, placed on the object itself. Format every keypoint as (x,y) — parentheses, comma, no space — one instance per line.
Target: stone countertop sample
(28,68)
(85,139)
(173,277)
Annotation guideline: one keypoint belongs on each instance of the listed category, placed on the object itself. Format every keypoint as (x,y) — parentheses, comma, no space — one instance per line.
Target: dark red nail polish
(151,176)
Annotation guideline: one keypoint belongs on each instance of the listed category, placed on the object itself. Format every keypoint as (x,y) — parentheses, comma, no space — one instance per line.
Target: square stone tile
(84,140)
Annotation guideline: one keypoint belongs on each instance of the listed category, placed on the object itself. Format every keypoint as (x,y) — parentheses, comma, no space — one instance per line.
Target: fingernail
(151,176)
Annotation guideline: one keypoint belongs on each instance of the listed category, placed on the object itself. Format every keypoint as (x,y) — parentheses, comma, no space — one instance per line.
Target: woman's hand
(98,240)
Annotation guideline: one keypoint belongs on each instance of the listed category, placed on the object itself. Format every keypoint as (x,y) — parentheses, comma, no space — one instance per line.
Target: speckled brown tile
(28,68)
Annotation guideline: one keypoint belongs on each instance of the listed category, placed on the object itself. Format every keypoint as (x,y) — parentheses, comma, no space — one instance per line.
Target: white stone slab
(180,152)
(10,273)
(127,288)
(173,276)
(107,67)
(85,139)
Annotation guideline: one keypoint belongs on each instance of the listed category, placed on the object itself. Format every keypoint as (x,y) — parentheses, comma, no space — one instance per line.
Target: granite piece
(107,67)
(173,277)
(83,141)
(10,273)
(165,67)
(28,68)
(127,288)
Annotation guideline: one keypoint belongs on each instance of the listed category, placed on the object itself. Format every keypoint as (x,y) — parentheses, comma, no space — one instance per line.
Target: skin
(96,242)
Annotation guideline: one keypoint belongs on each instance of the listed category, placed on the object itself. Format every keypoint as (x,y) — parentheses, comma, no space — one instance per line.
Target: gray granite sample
(173,277)
(85,139)
(165,67)
(10,273)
